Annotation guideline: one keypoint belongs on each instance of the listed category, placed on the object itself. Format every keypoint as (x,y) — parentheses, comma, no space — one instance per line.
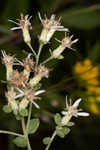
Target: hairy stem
(29,116)
(11,133)
(38,55)
(48,59)
(32,49)
(26,134)
(51,140)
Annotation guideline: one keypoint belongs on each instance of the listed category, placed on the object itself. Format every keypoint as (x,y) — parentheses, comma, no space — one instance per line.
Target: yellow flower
(93,82)
(98,98)
(87,63)
(94,108)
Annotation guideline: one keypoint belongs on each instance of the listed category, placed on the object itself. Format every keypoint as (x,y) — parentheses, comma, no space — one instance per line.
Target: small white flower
(71,110)
(29,96)
(25,25)
(49,27)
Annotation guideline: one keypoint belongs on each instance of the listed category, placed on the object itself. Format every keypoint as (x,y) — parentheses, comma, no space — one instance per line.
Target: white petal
(16,28)
(64,29)
(13,22)
(39,92)
(66,103)
(76,103)
(36,105)
(64,112)
(84,114)
(18,96)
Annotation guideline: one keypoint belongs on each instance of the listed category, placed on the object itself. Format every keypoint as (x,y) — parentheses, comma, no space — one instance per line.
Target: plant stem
(48,59)
(29,116)
(51,140)
(38,55)
(26,134)
(11,133)
(31,49)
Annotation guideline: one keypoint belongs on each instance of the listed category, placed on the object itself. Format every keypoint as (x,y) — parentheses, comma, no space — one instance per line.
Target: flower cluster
(24,77)
(21,86)
(90,74)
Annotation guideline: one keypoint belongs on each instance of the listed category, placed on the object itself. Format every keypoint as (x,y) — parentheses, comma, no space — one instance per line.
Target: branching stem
(51,140)
(26,134)
(11,133)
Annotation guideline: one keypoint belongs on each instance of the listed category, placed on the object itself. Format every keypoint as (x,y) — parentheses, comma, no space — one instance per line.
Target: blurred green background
(82,17)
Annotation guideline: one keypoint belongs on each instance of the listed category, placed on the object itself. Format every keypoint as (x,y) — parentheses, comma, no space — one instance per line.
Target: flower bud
(8,61)
(11,99)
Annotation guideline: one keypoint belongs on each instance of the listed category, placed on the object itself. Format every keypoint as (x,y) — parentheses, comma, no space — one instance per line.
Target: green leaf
(20,142)
(18,117)
(46,140)
(74,17)
(70,124)
(66,130)
(62,131)
(33,125)
(24,112)
(57,119)
(7,109)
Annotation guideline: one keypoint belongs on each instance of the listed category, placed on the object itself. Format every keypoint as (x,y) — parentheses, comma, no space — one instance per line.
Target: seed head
(18,79)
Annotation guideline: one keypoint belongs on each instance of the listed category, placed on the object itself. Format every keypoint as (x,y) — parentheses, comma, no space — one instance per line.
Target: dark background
(82,17)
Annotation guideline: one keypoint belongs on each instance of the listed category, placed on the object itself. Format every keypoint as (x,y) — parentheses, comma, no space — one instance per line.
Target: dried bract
(18,79)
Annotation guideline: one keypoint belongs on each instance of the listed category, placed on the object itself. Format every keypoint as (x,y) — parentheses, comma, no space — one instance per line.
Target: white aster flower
(71,110)
(25,25)
(29,96)
(49,27)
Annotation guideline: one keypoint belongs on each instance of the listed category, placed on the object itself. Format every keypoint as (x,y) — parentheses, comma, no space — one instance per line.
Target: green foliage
(75,18)
(57,119)
(70,124)
(20,142)
(46,140)
(33,126)
(62,131)
(24,112)
(7,109)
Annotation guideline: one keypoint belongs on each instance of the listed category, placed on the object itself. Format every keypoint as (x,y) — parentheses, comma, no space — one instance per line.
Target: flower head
(25,25)
(28,64)
(22,23)
(11,99)
(8,61)
(41,72)
(72,110)
(49,27)
(18,79)
(30,95)
(66,42)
